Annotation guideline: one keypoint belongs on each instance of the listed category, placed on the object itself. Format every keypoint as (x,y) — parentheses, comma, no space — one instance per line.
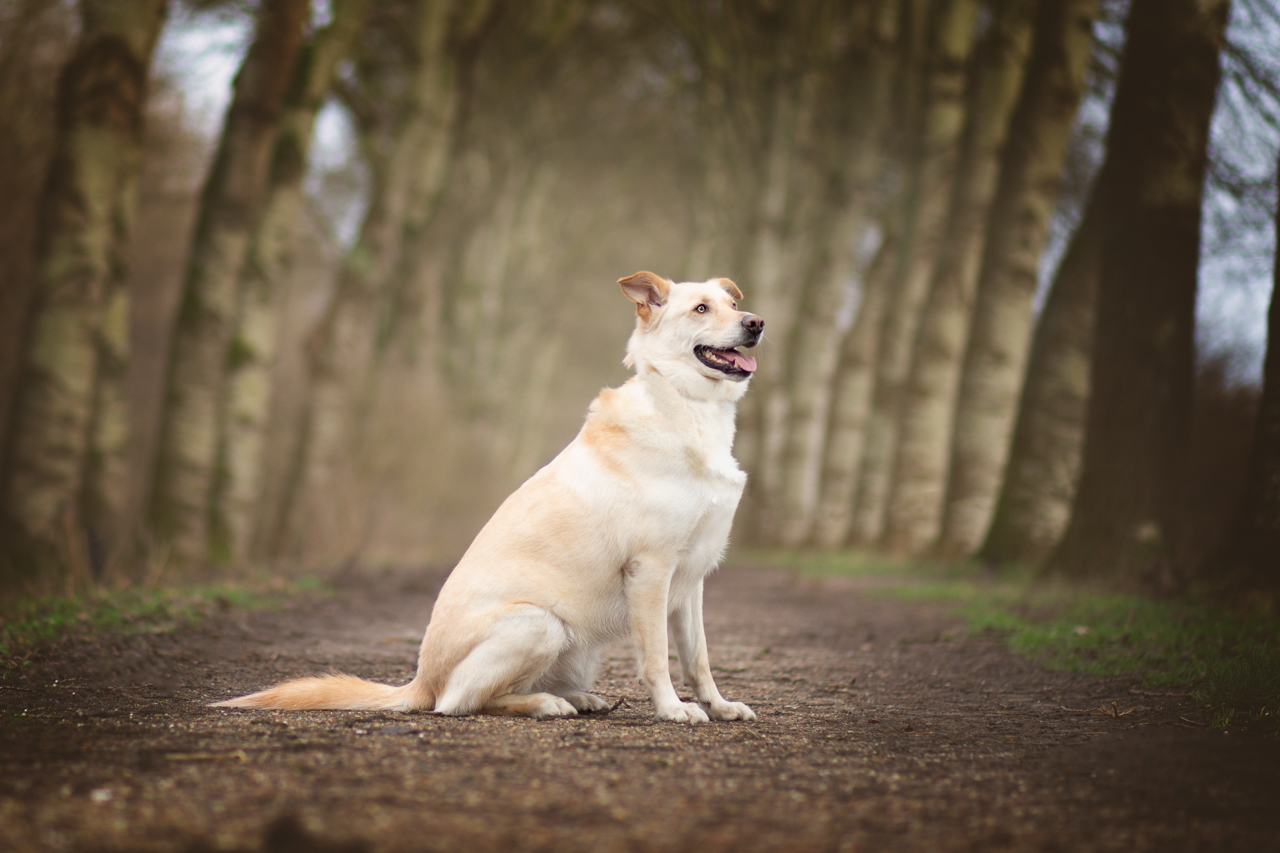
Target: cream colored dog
(614,536)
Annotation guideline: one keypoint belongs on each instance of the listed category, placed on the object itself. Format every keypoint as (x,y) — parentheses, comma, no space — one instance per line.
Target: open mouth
(730,362)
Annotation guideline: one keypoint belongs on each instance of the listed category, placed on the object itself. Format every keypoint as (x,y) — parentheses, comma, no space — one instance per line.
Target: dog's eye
(701,309)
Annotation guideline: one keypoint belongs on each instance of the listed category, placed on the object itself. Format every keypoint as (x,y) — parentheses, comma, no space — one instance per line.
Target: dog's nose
(753,324)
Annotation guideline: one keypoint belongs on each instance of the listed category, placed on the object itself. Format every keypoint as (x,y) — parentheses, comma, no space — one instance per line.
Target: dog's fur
(614,536)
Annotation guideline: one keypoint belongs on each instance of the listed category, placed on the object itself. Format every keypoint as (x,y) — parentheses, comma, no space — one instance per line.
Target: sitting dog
(613,537)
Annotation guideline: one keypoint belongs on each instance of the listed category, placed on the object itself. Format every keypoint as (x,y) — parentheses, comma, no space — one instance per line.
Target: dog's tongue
(742,362)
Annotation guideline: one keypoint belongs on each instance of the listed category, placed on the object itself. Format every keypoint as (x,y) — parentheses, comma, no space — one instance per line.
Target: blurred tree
(67,449)
(229,206)
(993,365)
(406,100)
(1141,377)
(933,150)
(918,476)
(1044,460)
(851,403)
(855,111)
(35,38)
(1248,557)
(267,266)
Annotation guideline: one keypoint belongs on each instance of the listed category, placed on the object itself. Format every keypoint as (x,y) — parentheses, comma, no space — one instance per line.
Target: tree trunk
(68,440)
(262,280)
(1044,460)
(1143,361)
(935,149)
(920,467)
(766,411)
(229,205)
(1001,328)
(822,321)
(1248,558)
(342,346)
(851,405)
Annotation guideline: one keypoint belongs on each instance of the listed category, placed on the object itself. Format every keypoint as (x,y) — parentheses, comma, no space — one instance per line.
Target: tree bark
(934,149)
(68,440)
(919,471)
(822,323)
(1139,410)
(407,179)
(230,201)
(1247,561)
(1044,459)
(851,405)
(1001,328)
(262,279)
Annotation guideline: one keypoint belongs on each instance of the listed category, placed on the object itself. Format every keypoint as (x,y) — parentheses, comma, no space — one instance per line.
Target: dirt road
(882,727)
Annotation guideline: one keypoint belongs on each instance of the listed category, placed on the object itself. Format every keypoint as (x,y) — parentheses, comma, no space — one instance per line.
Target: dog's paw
(552,706)
(684,712)
(731,711)
(586,703)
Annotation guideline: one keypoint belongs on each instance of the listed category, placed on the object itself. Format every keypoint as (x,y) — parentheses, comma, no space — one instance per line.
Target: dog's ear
(646,290)
(730,288)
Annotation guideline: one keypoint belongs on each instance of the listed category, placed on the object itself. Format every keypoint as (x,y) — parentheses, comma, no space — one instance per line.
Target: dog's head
(690,333)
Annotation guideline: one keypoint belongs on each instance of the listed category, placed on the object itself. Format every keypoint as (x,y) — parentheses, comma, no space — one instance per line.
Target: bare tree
(1143,358)
(851,145)
(933,151)
(267,266)
(68,443)
(1044,461)
(919,471)
(182,490)
(1019,220)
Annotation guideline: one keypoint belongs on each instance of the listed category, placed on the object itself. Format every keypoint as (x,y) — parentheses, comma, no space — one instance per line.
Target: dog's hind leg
(497,675)
(573,675)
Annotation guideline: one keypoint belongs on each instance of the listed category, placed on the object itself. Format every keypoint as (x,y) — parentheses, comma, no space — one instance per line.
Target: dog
(613,537)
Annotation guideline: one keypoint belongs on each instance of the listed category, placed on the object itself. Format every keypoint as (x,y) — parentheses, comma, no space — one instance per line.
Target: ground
(883,726)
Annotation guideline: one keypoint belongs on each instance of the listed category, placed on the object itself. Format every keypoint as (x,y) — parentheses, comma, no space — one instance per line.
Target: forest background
(1015,259)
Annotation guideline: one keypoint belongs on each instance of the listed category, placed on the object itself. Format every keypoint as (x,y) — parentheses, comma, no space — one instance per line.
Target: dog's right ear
(646,290)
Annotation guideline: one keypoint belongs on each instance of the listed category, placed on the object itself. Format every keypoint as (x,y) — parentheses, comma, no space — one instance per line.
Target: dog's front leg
(648,584)
(690,639)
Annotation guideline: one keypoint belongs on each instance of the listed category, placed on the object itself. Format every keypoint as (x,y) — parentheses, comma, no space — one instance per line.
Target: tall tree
(1143,358)
(919,470)
(1044,459)
(68,442)
(406,138)
(933,149)
(229,205)
(267,266)
(851,147)
(851,404)
(1030,175)
(1249,555)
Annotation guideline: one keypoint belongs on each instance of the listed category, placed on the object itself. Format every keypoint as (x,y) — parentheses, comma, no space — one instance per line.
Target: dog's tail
(335,693)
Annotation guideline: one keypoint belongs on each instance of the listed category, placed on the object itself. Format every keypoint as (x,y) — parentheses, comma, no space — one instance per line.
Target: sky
(201,51)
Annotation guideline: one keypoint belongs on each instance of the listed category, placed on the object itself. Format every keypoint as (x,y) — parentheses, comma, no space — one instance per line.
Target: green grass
(27,624)
(1224,659)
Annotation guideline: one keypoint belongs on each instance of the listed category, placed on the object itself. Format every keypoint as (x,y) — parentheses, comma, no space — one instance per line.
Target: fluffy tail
(335,693)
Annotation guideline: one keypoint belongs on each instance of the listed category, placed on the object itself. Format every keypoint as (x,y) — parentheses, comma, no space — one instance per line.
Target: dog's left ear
(731,288)
(646,290)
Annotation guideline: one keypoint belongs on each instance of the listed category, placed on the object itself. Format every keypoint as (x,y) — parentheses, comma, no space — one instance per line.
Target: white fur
(611,539)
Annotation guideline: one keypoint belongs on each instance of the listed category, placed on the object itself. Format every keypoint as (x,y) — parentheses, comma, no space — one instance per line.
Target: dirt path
(882,727)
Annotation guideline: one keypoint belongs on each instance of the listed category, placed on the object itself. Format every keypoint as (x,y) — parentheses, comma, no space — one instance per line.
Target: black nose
(753,324)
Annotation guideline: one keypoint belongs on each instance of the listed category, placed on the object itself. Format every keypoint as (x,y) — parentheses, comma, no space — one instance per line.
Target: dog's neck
(693,386)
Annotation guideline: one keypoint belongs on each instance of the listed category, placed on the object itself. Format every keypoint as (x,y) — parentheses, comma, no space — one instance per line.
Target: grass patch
(1224,659)
(27,624)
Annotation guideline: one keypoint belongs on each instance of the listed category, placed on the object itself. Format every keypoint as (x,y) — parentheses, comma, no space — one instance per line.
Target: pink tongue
(742,362)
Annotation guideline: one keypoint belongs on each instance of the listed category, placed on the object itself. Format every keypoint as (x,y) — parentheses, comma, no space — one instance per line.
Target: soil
(883,726)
